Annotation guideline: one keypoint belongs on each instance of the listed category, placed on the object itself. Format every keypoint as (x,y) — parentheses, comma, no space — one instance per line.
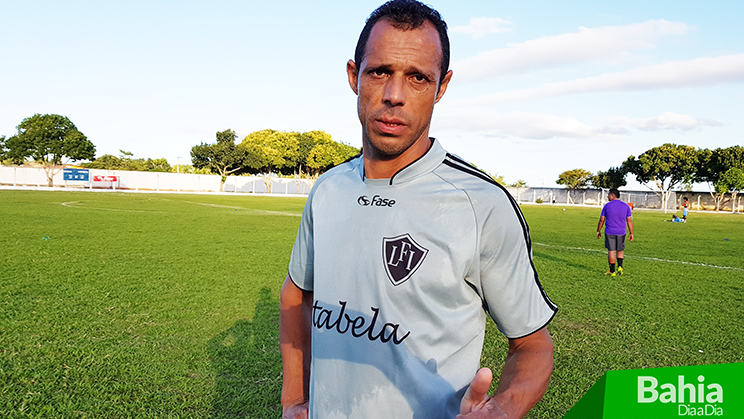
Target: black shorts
(614,242)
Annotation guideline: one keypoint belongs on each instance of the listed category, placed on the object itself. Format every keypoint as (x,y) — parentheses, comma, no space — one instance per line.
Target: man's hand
(599,234)
(630,237)
(476,403)
(297,411)
(523,381)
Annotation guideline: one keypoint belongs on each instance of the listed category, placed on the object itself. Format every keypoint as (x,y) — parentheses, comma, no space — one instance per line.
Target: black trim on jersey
(539,328)
(409,164)
(463,166)
(351,158)
(484,303)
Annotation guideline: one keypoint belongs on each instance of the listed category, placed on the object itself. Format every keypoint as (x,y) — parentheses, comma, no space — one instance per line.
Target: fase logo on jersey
(402,256)
(375,201)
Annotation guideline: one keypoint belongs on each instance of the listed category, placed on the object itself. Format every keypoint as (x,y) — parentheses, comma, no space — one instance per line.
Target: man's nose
(395,91)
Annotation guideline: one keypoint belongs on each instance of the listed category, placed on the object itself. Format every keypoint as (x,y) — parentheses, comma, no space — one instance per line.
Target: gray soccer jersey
(402,270)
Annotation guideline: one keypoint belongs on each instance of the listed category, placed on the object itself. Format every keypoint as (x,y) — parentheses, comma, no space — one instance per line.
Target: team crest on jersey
(402,256)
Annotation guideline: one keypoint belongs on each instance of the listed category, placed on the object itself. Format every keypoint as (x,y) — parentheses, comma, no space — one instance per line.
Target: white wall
(153,181)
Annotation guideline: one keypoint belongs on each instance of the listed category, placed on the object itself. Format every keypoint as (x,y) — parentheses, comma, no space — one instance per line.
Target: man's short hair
(406,15)
(615,192)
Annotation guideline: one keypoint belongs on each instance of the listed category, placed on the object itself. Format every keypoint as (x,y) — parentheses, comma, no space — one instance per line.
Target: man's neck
(381,168)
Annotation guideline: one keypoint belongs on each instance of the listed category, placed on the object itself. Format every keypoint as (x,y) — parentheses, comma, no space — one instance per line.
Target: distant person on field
(676,219)
(685,207)
(616,214)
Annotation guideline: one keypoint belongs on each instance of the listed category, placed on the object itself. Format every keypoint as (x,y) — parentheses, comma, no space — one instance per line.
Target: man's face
(397,84)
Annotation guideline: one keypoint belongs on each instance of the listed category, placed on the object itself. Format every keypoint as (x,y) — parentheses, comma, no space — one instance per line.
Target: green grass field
(158,305)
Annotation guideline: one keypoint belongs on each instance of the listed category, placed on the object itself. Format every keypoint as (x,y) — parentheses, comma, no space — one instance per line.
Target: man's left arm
(629,220)
(523,382)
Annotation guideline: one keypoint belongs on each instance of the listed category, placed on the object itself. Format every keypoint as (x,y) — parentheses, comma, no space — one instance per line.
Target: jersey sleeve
(509,283)
(303,251)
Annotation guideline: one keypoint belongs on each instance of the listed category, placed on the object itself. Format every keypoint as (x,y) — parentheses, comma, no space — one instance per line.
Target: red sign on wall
(105,178)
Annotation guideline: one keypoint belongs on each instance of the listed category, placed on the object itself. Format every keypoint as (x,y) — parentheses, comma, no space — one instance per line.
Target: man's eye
(420,78)
(378,73)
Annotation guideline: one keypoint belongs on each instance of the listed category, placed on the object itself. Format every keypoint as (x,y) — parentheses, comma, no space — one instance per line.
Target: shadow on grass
(247,365)
(565,261)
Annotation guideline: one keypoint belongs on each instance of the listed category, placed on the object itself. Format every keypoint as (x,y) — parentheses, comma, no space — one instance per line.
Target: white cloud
(677,74)
(542,126)
(534,126)
(588,44)
(481,26)
(666,121)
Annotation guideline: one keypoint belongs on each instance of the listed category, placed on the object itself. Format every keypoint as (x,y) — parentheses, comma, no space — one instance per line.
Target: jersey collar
(421,166)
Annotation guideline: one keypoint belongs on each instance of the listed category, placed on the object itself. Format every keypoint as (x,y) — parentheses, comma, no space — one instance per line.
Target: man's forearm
(526,374)
(295,341)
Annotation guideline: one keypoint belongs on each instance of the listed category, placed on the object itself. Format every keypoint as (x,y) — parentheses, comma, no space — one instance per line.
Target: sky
(539,87)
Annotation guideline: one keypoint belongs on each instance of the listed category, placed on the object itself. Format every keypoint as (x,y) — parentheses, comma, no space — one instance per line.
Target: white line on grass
(246,209)
(643,257)
(76,204)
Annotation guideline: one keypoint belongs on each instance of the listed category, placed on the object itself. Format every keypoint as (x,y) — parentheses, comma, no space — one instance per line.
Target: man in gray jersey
(402,252)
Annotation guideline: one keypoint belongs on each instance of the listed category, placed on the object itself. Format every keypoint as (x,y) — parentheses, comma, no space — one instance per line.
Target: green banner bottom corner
(708,391)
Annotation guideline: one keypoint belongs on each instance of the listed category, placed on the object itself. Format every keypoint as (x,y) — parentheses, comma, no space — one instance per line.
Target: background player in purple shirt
(615,215)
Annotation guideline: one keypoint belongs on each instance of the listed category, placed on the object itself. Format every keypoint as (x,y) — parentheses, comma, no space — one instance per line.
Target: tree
(306,142)
(222,157)
(732,181)
(574,179)
(274,150)
(327,153)
(498,178)
(190,169)
(289,153)
(3,149)
(105,162)
(666,166)
(49,139)
(519,184)
(126,162)
(156,165)
(713,164)
(613,178)
(323,156)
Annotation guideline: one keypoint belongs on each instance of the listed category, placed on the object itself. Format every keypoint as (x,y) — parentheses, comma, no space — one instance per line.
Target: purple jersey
(615,213)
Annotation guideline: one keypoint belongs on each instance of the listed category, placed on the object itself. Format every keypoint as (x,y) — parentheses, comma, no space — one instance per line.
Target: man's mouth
(391,126)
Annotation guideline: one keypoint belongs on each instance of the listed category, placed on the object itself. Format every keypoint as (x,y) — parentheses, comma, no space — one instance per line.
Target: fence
(183,182)
(153,181)
(704,201)
(598,197)
(700,201)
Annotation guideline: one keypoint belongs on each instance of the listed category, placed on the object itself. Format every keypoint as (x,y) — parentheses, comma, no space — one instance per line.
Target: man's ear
(443,85)
(353,72)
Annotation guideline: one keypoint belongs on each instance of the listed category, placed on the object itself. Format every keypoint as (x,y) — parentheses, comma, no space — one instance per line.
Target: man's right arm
(295,340)
(599,226)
